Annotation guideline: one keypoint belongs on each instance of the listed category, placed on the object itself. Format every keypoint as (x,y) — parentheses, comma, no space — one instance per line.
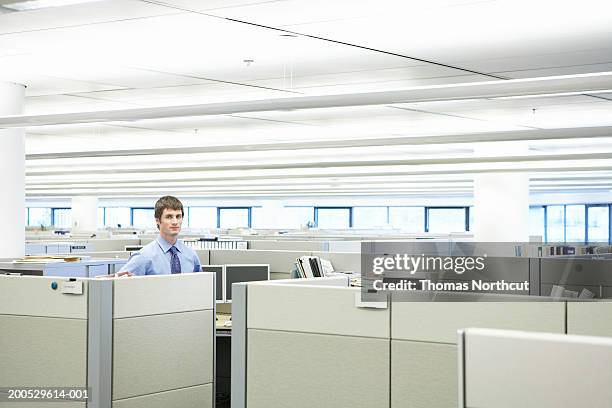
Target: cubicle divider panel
(438,321)
(43,341)
(43,352)
(313,309)
(112,244)
(160,294)
(164,352)
(35,296)
(287,245)
(279,261)
(191,397)
(590,318)
(291,369)
(424,336)
(163,341)
(423,375)
(508,369)
(342,261)
(204,256)
(312,346)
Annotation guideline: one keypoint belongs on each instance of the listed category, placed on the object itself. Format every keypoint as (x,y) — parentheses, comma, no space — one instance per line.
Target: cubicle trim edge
(461,402)
(100,343)
(214,342)
(239,345)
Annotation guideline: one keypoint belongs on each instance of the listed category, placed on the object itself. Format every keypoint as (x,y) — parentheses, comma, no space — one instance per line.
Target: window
(100,217)
(297,217)
(555,223)
(536,222)
(333,218)
(117,217)
(143,217)
(39,217)
(446,220)
(234,217)
(575,223)
(599,223)
(61,217)
(369,217)
(202,217)
(409,219)
(264,217)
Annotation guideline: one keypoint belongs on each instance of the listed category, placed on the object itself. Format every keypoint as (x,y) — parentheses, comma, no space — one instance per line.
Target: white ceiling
(125,54)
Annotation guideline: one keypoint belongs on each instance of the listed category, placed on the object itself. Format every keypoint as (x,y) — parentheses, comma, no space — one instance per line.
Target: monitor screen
(244,273)
(218,270)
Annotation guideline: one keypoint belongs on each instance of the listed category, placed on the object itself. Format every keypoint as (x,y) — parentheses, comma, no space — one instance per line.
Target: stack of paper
(46,259)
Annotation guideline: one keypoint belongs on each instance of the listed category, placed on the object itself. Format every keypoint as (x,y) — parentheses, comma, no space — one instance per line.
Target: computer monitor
(507,368)
(244,273)
(219,279)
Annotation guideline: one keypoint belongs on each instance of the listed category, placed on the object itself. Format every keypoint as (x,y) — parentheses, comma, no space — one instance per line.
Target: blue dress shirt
(154,259)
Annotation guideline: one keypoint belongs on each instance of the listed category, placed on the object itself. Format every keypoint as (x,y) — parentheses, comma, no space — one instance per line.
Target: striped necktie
(175,262)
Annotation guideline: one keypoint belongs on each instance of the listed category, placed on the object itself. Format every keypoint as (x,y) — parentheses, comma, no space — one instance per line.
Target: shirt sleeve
(197,267)
(137,264)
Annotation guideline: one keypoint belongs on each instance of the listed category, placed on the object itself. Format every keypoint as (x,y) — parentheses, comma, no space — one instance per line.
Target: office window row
(571,223)
(46,217)
(409,219)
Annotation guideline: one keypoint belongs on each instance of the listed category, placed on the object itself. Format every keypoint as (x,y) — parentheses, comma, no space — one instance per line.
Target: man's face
(170,222)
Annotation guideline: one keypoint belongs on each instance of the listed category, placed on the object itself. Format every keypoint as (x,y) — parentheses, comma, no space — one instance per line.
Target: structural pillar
(501,200)
(12,169)
(84,213)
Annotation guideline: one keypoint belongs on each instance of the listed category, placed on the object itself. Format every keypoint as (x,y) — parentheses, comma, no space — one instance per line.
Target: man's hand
(125,274)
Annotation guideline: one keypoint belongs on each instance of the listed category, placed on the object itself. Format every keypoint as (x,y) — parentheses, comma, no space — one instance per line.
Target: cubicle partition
(133,342)
(304,345)
(280,354)
(424,338)
(508,369)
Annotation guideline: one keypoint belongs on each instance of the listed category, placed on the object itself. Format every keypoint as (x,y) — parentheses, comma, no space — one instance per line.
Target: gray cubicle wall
(424,337)
(592,318)
(43,340)
(342,261)
(135,342)
(575,274)
(308,353)
(163,341)
(508,369)
(288,245)
(305,341)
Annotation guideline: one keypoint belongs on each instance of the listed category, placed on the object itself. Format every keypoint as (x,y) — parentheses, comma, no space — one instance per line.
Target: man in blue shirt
(166,254)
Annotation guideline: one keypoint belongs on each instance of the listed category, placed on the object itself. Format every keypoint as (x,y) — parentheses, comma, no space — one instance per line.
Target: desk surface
(221,324)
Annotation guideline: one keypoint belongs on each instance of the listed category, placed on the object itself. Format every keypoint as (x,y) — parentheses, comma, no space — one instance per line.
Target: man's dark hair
(170,202)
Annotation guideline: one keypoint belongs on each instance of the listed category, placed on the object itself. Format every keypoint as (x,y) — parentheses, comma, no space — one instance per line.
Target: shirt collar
(165,245)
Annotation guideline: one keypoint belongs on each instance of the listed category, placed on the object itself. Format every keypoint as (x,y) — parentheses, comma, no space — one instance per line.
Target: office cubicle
(308,345)
(508,369)
(134,342)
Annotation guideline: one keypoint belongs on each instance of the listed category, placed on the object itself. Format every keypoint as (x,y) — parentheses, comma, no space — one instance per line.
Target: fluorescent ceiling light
(39,4)
(547,95)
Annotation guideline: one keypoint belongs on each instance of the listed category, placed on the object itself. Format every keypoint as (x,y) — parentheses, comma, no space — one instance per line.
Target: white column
(271,214)
(12,169)
(84,213)
(501,205)
(501,200)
